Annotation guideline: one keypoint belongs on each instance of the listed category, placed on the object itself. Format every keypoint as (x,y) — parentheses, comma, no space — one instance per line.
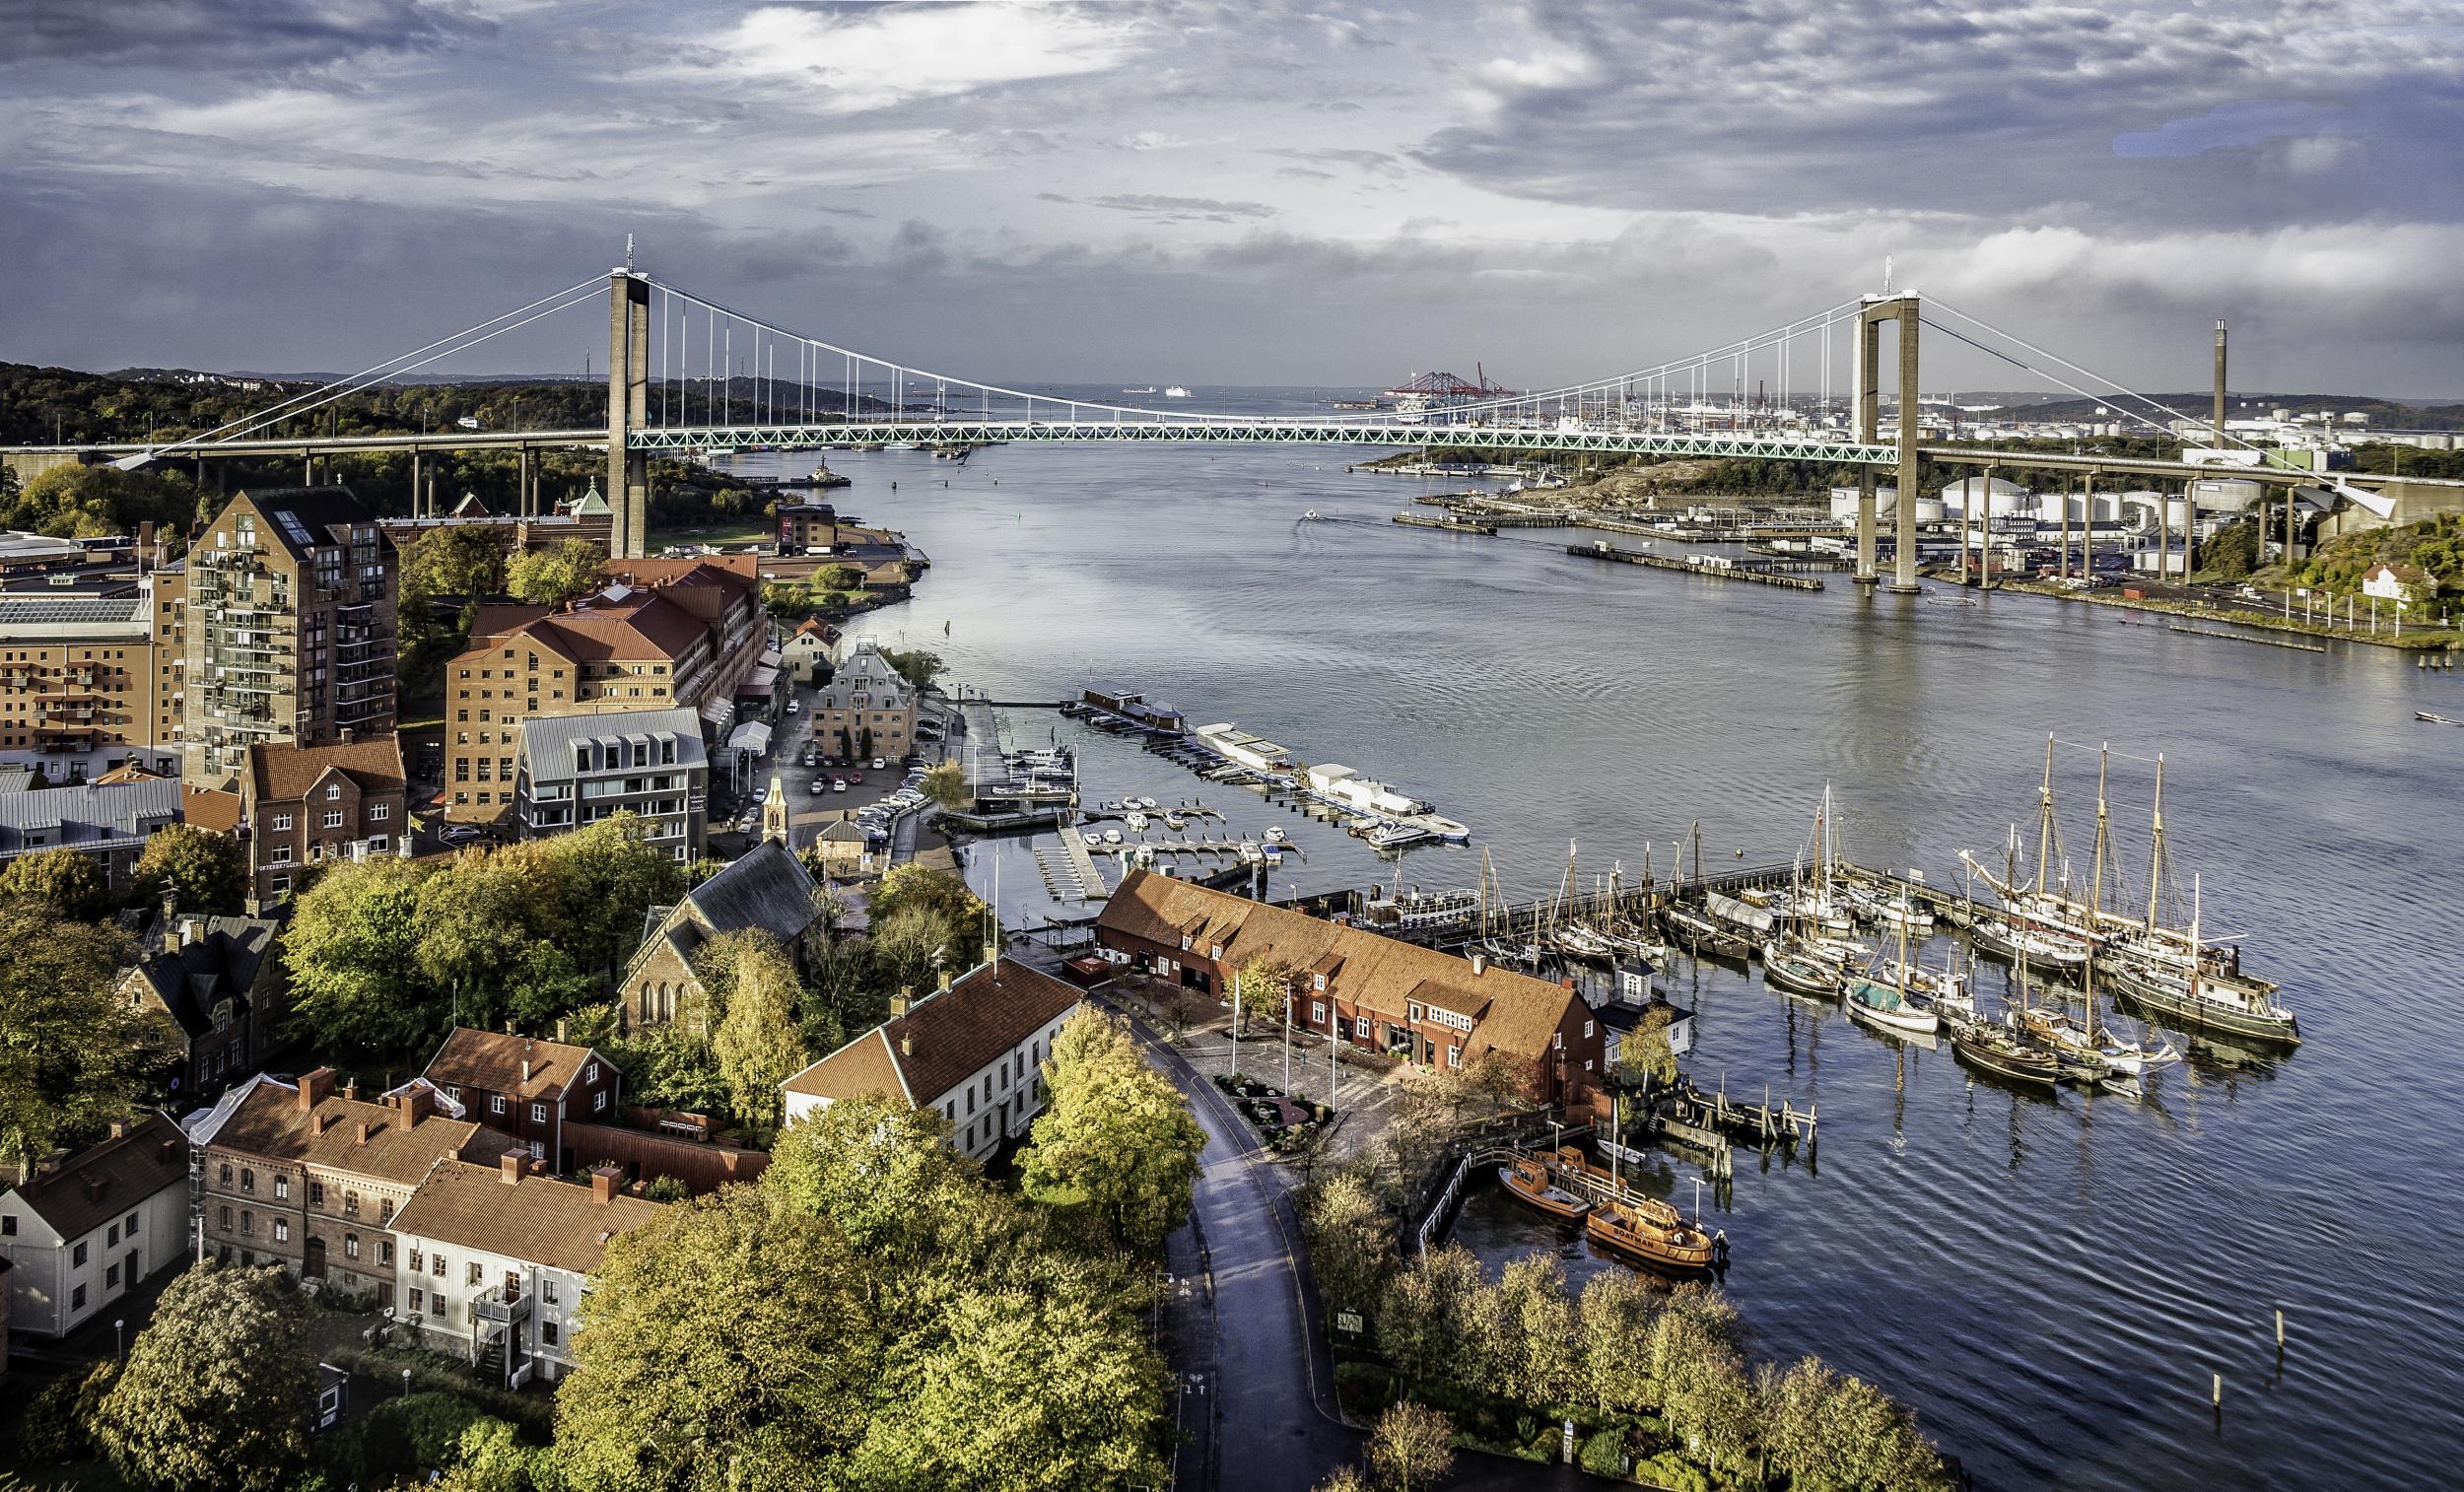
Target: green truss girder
(1267,433)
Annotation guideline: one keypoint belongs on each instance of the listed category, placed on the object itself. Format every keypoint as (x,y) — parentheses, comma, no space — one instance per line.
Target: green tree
(452,560)
(1421,1324)
(757,1044)
(556,574)
(840,578)
(1343,1479)
(946,784)
(218,1388)
(1350,1236)
(884,1173)
(353,953)
(1700,1376)
(1538,1357)
(725,1346)
(1411,1446)
(1023,1388)
(73,1057)
(606,878)
(1834,1434)
(916,666)
(1115,1135)
(1612,1341)
(473,920)
(63,880)
(202,869)
(91,501)
(955,913)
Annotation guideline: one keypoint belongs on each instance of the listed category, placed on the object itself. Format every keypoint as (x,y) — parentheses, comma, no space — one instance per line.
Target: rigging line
(1990,352)
(2272,457)
(340,392)
(378,373)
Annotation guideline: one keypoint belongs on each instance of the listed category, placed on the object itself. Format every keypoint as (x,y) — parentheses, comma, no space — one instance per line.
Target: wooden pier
(1450,526)
(1692,565)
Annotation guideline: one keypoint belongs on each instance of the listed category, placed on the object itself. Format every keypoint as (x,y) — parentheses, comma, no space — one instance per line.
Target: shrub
(1672,1470)
(1603,1454)
(666,1189)
(54,1427)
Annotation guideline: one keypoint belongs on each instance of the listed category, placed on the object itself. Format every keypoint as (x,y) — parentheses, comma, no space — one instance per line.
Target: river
(2049,1282)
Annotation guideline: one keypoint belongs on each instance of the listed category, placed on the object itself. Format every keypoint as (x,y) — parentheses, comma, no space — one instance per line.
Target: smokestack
(2220,380)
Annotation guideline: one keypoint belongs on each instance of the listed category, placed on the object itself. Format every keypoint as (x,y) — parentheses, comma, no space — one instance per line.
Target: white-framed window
(1587,1028)
(379,812)
(1415,1015)
(1316,1013)
(598,1101)
(282,1186)
(496,1103)
(282,855)
(1360,1027)
(333,792)
(1215,950)
(282,1231)
(538,1114)
(282,822)
(334,818)
(1454,1056)
(1186,941)
(377,842)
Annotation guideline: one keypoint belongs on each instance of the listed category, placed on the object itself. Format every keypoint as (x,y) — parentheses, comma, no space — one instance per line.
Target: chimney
(95,1182)
(360,1138)
(119,1129)
(171,922)
(509,1167)
(1479,964)
(899,1002)
(525,1070)
(316,1087)
(169,1150)
(604,1184)
(191,929)
(907,1044)
(415,1104)
(560,1030)
(946,982)
(50,1164)
(351,1090)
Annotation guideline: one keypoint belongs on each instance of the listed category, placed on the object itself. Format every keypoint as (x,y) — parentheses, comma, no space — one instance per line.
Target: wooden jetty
(2243,636)
(1692,565)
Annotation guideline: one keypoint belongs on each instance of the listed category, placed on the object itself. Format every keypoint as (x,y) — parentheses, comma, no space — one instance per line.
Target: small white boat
(1275,833)
(1136,821)
(1092,837)
(1396,836)
(1175,821)
(1148,804)
(1112,835)
(1176,391)
(1900,912)
(1311,517)
(1887,1006)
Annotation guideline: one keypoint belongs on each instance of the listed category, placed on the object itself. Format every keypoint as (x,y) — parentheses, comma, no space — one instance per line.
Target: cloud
(838,61)
(247,36)
(2244,122)
(1373,161)
(1162,209)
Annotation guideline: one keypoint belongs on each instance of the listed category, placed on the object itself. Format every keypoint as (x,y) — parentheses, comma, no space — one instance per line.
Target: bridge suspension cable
(317,398)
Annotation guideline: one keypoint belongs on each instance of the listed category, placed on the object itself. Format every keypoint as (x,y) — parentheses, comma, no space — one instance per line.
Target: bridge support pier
(628,407)
(1904,312)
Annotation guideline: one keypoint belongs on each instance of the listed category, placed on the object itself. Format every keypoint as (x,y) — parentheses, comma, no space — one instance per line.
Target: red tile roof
(538,1218)
(283,773)
(494,1060)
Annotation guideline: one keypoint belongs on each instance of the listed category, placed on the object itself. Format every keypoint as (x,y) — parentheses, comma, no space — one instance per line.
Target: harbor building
(867,710)
(974,1049)
(807,527)
(291,635)
(571,771)
(1374,992)
(86,1229)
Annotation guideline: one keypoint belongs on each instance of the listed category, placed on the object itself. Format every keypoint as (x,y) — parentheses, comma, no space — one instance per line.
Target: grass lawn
(723,531)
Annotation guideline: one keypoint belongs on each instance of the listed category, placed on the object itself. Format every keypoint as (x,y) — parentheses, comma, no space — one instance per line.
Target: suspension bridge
(686,374)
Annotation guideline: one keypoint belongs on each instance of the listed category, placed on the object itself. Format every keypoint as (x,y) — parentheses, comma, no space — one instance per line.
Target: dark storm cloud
(1765,107)
(244,37)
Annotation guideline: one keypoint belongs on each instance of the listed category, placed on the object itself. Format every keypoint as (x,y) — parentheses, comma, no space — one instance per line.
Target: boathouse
(1375,993)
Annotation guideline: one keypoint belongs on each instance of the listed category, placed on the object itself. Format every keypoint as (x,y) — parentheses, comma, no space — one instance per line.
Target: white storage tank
(2224,495)
(1997,496)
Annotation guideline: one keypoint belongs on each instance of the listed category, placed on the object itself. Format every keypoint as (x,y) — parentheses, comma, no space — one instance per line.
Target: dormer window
(1318,982)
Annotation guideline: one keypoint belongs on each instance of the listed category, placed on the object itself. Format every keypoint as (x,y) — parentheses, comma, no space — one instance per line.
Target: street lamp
(406,1382)
(1698,1204)
(119,1338)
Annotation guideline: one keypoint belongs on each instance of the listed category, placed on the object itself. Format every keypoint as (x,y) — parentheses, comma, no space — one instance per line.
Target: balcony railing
(492,1306)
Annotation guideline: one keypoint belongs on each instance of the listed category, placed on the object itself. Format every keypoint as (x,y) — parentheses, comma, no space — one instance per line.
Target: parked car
(795,707)
(855,778)
(820,787)
(880,763)
(838,784)
(463,833)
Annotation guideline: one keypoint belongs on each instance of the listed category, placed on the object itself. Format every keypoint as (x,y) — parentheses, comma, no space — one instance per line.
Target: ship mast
(2096,896)
(2156,847)
(2044,817)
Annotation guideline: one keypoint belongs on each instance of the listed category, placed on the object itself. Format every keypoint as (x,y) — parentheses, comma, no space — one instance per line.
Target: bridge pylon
(628,409)
(1879,310)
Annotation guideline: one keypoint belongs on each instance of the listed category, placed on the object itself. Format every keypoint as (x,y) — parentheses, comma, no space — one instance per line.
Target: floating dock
(1450,526)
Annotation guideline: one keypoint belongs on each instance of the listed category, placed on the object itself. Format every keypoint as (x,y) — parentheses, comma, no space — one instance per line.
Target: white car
(820,787)
(795,707)
(880,763)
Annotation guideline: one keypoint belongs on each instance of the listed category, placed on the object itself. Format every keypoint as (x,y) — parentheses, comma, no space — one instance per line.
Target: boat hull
(1798,975)
(1534,1191)
(1987,1056)
(2177,1006)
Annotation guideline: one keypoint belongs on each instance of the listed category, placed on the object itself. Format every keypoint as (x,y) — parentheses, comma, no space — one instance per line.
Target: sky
(1252,192)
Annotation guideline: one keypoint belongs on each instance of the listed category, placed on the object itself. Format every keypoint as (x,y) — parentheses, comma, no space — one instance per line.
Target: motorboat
(1176,391)
(1395,836)
(1649,1232)
(1112,835)
(1092,837)
(1134,821)
(1274,834)
(1175,821)
(1531,1183)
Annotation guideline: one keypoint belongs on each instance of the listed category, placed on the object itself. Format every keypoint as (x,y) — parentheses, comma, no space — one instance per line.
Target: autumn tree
(73,1057)
(1411,1446)
(63,880)
(219,1387)
(756,1042)
(1536,1350)
(946,784)
(1421,1325)
(202,870)
(556,574)
(1612,1341)
(1116,1136)
(1835,1434)
(952,917)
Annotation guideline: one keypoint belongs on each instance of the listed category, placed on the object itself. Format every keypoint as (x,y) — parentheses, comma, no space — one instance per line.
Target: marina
(1547,708)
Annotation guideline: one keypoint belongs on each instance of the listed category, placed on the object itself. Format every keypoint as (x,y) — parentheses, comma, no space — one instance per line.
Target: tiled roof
(213,808)
(944,1040)
(537,1219)
(1513,1012)
(97,1184)
(493,1060)
(284,773)
(268,1121)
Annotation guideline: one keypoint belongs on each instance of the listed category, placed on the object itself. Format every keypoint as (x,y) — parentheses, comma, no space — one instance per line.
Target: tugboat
(1649,1232)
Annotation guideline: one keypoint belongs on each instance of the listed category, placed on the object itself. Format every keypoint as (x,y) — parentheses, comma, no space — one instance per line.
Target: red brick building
(1374,992)
(529,1089)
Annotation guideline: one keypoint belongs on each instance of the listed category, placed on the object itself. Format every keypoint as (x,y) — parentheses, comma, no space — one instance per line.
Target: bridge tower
(628,409)
(1881,311)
